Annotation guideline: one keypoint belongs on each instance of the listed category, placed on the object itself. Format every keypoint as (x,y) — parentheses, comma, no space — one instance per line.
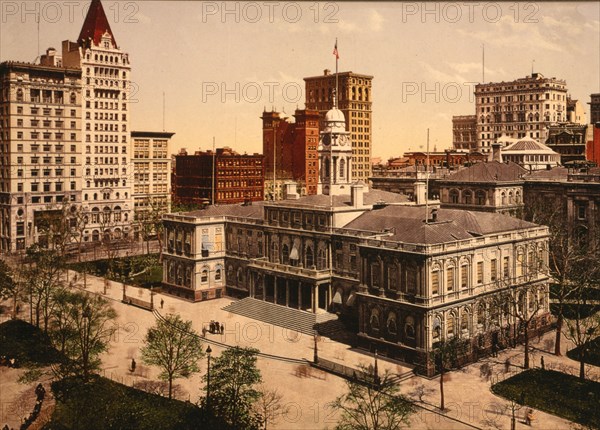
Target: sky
(219,65)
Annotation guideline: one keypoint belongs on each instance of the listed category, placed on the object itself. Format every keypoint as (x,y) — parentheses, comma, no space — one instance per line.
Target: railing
(293,270)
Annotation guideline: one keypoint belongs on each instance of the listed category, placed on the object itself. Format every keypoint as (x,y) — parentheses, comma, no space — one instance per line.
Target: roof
(95,25)
(324,201)
(254,210)
(528,146)
(556,174)
(492,171)
(151,134)
(408,225)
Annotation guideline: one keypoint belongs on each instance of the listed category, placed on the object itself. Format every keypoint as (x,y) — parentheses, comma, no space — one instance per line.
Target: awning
(337,298)
(294,253)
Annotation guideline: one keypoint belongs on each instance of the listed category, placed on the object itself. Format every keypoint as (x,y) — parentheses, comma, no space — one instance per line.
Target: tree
(174,347)
(85,330)
(11,286)
(583,325)
(372,407)
(149,221)
(43,277)
(268,406)
(234,376)
(445,356)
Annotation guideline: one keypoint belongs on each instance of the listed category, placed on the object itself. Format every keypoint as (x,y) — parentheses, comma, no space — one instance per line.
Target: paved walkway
(306,391)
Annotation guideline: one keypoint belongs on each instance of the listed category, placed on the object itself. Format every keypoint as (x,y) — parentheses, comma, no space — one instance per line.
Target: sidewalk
(306,391)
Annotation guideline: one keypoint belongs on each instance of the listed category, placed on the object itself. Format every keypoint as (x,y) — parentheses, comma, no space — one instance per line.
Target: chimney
(326,72)
(290,191)
(497,152)
(420,193)
(357,195)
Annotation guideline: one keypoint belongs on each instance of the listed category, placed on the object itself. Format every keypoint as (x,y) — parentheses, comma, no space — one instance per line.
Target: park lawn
(27,344)
(122,267)
(555,392)
(104,404)
(593,353)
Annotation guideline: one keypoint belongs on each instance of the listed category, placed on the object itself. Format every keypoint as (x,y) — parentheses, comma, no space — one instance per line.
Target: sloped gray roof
(555,174)
(324,201)
(492,171)
(408,225)
(255,210)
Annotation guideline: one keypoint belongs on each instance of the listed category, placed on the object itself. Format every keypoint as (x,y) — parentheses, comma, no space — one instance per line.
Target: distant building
(575,112)
(220,177)
(569,140)
(151,171)
(355,100)
(494,186)
(520,108)
(593,145)
(449,158)
(530,154)
(294,152)
(594,108)
(464,132)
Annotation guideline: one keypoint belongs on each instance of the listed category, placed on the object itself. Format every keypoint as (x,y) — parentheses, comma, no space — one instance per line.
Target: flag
(335,51)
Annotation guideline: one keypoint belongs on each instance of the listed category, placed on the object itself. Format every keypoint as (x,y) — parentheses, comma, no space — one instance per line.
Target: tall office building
(107,187)
(521,108)
(40,161)
(594,108)
(355,101)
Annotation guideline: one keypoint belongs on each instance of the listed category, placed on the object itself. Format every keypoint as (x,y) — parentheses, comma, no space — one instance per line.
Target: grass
(124,267)
(555,392)
(27,344)
(103,403)
(593,353)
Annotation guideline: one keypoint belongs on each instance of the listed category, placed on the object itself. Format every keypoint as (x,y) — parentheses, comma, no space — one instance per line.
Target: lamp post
(208,351)
(316,353)
(86,317)
(376,371)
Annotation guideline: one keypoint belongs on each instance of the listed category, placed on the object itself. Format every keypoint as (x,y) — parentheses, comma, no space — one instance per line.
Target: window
(464,276)
(204,276)
(480,272)
(435,282)
(409,327)
(450,325)
(505,266)
(218,274)
(450,279)
(493,269)
(581,210)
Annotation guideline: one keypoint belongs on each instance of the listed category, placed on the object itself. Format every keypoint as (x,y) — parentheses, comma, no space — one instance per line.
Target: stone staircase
(282,316)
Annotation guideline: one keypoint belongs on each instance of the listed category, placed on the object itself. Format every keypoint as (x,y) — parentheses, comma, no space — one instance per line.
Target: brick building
(220,177)
(594,108)
(292,147)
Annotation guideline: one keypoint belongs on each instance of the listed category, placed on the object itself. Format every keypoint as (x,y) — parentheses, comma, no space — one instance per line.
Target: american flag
(335,51)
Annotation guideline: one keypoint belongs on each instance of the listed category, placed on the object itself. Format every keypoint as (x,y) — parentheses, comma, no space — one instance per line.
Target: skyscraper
(107,171)
(355,102)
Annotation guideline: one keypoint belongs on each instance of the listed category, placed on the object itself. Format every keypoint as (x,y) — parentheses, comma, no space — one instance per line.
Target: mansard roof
(95,25)
(492,171)
(407,224)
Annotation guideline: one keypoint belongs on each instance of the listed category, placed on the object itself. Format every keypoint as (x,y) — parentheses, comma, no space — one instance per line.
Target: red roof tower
(95,25)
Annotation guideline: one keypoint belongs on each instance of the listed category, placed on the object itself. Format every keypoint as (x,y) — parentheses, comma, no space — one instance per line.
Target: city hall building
(407,274)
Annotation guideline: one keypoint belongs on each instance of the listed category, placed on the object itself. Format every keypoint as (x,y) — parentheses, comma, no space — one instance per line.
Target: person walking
(162,303)
(133,364)
(222,328)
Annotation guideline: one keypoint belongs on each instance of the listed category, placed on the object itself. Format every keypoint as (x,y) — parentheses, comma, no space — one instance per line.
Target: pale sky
(219,68)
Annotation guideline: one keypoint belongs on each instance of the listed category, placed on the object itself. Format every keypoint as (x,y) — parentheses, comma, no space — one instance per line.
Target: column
(299,294)
(314,297)
(264,288)
(275,289)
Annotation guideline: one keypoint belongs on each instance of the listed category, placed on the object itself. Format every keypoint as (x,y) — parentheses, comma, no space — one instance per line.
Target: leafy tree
(11,286)
(372,407)
(445,356)
(85,330)
(233,392)
(174,347)
(149,221)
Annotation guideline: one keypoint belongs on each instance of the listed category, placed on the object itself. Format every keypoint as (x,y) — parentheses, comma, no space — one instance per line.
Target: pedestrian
(203,331)
(162,303)
(133,364)
(222,328)
(211,327)
(507,365)
(542,363)
(494,350)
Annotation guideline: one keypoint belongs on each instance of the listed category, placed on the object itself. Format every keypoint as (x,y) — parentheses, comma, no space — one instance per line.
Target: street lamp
(376,371)
(208,351)
(316,353)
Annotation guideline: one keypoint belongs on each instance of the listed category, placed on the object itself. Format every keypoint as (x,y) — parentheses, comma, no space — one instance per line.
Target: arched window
(188,276)
(481,315)
(285,254)
(374,319)
(391,325)
(409,327)
(454,196)
(450,324)
(464,321)
(310,257)
(19,95)
(436,328)
(342,167)
(503,198)
(467,197)
(321,259)
(510,198)
(218,273)
(204,276)
(274,251)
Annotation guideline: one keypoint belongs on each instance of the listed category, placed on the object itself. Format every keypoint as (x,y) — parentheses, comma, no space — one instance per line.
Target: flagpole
(336,75)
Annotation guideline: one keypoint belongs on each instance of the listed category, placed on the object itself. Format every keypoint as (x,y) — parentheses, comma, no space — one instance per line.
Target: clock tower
(335,155)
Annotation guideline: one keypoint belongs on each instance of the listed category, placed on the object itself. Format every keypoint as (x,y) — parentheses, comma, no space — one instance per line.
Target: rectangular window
(505,270)
(464,276)
(494,270)
(480,272)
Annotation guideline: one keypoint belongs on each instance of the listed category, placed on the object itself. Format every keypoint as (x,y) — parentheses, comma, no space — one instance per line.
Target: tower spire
(96,25)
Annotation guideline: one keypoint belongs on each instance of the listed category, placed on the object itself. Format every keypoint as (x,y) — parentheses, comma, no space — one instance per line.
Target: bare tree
(446,355)
(269,406)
